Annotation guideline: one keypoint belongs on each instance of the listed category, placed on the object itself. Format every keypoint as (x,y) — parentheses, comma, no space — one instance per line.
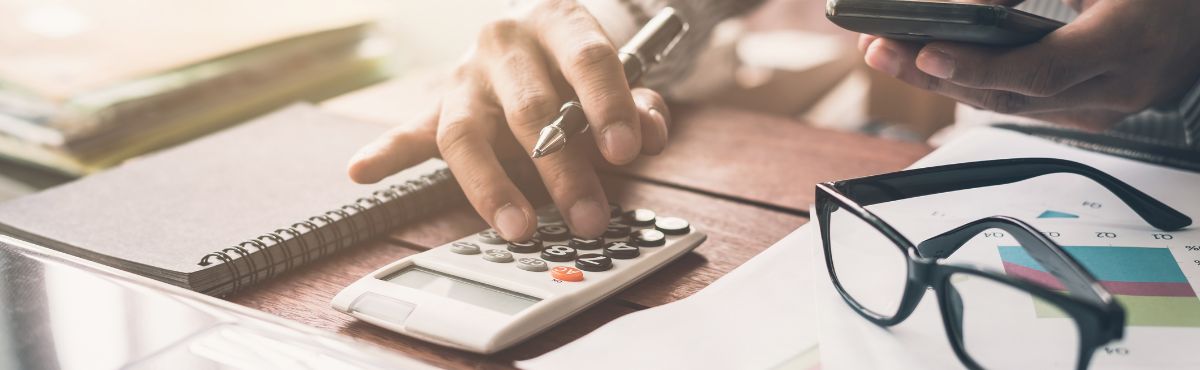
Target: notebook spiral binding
(382,210)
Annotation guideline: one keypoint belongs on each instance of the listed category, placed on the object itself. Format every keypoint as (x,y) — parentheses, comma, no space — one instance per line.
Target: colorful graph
(1146,281)
(1056,214)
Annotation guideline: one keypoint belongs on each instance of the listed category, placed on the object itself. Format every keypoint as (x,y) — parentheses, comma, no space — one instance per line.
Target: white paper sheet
(759,316)
(1100,221)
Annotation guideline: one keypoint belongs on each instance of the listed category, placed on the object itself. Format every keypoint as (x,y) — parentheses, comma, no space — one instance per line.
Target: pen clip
(675,41)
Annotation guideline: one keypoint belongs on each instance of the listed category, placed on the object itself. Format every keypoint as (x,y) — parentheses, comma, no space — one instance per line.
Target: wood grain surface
(765,159)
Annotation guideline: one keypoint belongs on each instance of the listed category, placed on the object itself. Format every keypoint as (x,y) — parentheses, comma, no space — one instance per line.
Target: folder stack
(85,84)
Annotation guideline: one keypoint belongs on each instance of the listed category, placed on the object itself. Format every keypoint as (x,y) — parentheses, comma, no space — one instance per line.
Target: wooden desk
(747,179)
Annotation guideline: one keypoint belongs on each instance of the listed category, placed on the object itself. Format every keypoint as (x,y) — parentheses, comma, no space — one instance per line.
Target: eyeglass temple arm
(1077,280)
(940,179)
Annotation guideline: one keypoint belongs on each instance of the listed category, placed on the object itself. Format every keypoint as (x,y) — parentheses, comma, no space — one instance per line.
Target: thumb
(399,148)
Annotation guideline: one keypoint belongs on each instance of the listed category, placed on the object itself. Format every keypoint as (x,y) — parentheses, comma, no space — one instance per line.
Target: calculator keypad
(566,273)
(640,217)
(621,250)
(532,264)
(464,248)
(529,246)
(672,226)
(559,253)
(648,238)
(491,237)
(553,232)
(594,262)
(616,230)
(497,255)
(626,234)
(585,244)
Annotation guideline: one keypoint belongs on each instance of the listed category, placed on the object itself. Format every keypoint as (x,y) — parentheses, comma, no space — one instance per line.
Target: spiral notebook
(222,213)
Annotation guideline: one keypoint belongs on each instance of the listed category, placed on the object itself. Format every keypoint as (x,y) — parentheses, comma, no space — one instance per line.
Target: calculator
(482,293)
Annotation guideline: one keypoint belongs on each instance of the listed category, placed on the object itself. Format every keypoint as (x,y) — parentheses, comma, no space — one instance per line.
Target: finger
(1075,53)
(1088,95)
(865,40)
(465,132)
(588,61)
(655,118)
(521,83)
(399,148)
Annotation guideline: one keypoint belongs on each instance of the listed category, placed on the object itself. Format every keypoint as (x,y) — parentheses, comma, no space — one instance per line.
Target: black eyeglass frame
(1098,317)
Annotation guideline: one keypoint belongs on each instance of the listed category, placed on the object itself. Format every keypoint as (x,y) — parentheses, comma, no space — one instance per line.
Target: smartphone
(940,21)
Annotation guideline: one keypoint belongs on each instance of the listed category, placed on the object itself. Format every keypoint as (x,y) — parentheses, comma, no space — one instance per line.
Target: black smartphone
(940,21)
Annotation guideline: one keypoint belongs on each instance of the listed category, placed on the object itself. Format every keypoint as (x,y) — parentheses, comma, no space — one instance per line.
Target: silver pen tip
(538,153)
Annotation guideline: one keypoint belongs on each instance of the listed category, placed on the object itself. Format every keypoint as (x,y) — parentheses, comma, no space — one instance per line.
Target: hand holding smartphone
(926,21)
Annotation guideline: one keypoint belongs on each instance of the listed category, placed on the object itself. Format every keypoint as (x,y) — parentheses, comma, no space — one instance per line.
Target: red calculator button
(566,273)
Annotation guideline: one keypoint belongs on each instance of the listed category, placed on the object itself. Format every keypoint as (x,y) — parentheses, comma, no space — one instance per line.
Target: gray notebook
(221,213)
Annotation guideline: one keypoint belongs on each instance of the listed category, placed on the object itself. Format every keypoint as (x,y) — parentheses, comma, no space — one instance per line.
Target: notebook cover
(160,214)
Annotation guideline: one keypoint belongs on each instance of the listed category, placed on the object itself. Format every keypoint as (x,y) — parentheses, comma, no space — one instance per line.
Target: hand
(511,85)
(1119,57)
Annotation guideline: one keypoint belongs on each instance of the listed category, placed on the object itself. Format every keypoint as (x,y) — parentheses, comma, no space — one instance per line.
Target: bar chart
(1147,281)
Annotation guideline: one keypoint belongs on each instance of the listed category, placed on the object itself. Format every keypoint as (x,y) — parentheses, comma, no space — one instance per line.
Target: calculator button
(672,226)
(593,262)
(616,230)
(566,273)
(559,253)
(531,264)
(648,238)
(640,217)
(464,248)
(553,233)
(532,245)
(621,250)
(490,236)
(614,210)
(585,244)
(497,255)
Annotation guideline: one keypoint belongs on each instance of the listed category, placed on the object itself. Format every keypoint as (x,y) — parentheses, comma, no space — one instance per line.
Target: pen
(645,49)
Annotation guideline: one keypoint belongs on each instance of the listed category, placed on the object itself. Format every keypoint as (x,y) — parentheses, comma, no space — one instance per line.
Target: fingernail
(618,142)
(510,221)
(885,59)
(588,218)
(936,63)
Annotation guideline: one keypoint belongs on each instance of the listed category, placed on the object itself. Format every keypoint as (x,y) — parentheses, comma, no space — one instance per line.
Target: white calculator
(483,294)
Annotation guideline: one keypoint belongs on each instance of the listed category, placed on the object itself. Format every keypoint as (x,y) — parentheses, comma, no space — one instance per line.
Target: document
(1153,274)
(767,313)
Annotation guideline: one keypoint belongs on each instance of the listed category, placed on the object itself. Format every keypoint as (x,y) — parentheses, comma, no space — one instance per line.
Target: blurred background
(88,84)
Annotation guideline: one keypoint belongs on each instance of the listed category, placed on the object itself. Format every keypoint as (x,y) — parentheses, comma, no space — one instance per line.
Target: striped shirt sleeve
(1189,111)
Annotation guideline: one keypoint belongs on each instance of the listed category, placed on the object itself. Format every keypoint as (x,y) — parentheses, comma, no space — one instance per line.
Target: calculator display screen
(462,290)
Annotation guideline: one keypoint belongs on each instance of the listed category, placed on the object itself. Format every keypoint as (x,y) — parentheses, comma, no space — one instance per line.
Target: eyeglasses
(883,276)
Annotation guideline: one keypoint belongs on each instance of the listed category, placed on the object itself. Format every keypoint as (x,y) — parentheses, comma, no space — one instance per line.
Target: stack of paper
(86,84)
